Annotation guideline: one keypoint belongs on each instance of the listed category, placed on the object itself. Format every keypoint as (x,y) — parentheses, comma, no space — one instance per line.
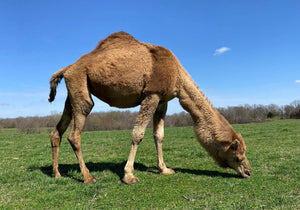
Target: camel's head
(234,156)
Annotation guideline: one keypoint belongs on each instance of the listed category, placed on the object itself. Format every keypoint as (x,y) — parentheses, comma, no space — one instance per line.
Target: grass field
(273,149)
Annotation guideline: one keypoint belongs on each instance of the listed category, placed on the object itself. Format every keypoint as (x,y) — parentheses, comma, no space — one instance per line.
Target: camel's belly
(118,96)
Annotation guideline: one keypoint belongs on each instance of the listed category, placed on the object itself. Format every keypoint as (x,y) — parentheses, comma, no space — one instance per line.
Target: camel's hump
(118,37)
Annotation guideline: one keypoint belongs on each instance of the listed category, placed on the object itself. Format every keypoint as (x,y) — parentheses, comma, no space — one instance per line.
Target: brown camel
(124,72)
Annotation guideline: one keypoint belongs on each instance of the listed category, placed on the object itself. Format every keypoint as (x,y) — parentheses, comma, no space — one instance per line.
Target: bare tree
(120,120)
(29,125)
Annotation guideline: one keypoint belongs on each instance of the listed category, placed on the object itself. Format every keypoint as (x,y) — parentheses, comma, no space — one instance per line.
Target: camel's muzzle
(244,170)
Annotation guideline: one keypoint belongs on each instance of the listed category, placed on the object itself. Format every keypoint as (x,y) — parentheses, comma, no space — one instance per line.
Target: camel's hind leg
(56,135)
(75,140)
(158,134)
(82,104)
(148,107)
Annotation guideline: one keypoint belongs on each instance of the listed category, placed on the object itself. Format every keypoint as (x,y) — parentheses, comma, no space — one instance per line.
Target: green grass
(273,150)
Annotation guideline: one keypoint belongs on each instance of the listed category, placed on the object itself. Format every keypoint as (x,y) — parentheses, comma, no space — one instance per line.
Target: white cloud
(297,81)
(221,50)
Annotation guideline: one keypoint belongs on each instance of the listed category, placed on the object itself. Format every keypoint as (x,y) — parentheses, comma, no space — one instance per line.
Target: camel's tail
(55,79)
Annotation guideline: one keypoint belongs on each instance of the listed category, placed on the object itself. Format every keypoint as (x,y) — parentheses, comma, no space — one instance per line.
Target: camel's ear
(235,144)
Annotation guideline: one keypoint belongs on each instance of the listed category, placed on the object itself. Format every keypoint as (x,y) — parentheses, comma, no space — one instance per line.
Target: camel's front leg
(148,107)
(158,134)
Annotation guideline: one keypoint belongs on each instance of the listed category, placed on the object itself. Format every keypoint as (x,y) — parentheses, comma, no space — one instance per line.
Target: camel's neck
(209,125)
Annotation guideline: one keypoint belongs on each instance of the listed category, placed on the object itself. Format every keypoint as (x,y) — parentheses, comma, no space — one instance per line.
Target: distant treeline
(121,120)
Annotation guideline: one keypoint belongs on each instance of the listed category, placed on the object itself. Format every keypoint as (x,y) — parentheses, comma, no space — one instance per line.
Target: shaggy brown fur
(124,72)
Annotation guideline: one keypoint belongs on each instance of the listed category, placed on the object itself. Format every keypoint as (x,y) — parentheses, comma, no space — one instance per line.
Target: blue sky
(238,52)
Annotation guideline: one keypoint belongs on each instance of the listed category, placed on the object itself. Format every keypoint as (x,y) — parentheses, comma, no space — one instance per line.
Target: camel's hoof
(57,175)
(167,171)
(130,179)
(91,180)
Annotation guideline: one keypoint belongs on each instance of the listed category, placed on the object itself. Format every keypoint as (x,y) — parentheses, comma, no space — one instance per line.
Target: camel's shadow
(118,169)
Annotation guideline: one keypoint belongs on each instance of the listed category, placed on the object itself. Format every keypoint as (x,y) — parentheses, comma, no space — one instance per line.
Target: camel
(124,73)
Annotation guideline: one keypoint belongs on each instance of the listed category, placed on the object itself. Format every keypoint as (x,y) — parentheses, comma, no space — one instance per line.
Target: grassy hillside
(273,150)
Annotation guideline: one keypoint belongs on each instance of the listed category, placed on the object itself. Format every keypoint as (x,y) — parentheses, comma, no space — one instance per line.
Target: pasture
(273,149)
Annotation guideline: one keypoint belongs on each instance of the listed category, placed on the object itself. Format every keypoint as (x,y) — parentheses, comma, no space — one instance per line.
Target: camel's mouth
(244,172)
